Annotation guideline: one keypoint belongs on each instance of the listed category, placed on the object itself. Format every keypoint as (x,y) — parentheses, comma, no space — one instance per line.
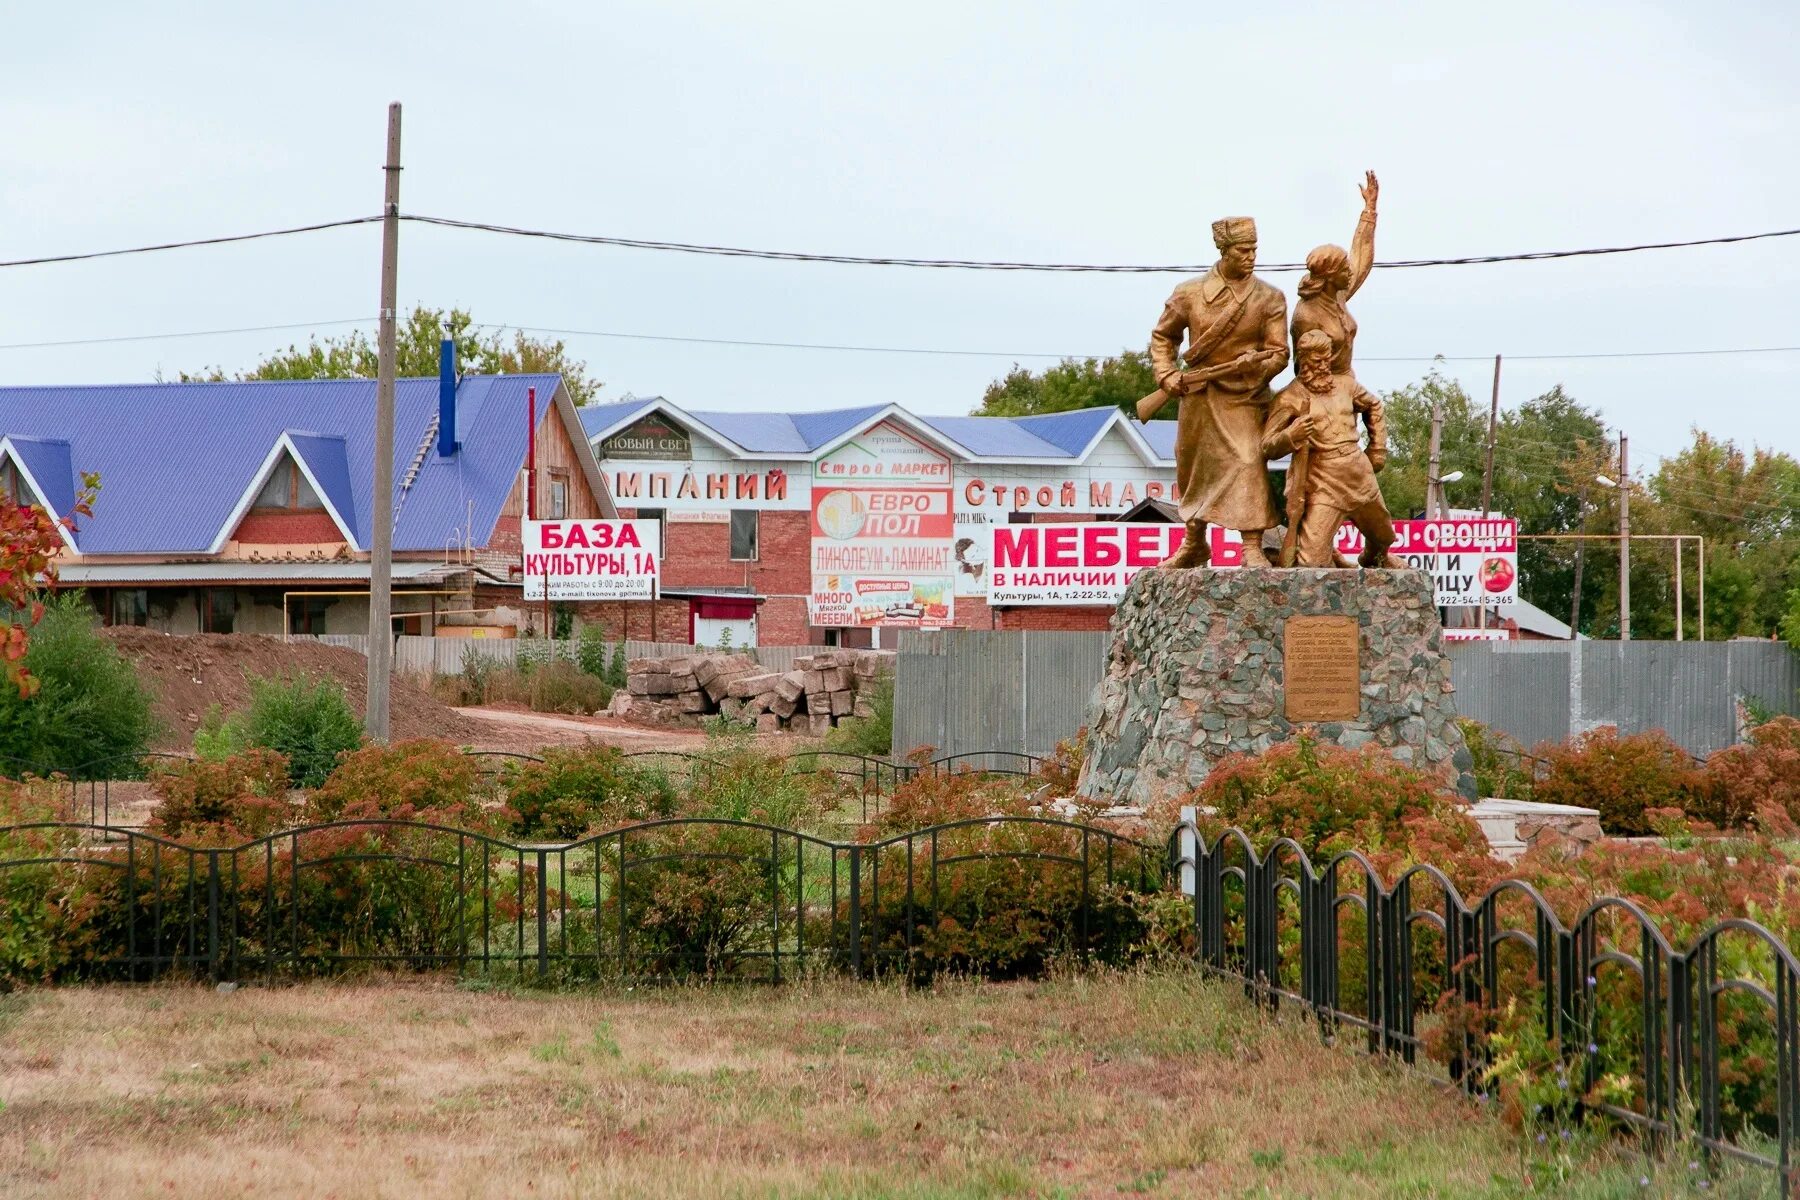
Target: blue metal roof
(47,461)
(174,459)
(1161,436)
(1052,436)
(596,417)
(1068,431)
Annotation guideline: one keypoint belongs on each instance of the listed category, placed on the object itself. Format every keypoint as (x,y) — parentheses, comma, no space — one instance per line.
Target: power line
(190,333)
(703,248)
(964,264)
(208,241)
(869,349)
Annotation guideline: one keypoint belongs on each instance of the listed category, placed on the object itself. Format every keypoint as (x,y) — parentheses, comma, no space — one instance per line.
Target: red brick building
(836,527)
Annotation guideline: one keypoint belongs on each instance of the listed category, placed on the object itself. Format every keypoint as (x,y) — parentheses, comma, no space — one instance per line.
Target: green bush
(307,721)
(579,789)
(615,670)
(590,651)
(218,736)
(90,705)
(1499,768)
(873,735)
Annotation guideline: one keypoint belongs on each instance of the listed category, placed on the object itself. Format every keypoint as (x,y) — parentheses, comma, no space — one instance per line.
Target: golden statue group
(1237,331)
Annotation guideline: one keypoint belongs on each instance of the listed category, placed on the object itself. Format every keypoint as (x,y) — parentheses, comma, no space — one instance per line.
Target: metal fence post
(856,910)
(543,912)
(212,914)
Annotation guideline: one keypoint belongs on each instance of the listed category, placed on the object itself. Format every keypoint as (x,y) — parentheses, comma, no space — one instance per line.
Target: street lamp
(1434,492)
(1622,485)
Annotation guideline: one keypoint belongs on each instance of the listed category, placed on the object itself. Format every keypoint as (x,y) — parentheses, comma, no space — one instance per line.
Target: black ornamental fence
(1700,1041)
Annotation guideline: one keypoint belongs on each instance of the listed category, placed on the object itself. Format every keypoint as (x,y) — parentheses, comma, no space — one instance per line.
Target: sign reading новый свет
(591,560)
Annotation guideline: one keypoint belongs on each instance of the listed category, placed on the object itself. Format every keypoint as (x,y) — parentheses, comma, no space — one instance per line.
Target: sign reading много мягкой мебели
(591,560)
(882,530)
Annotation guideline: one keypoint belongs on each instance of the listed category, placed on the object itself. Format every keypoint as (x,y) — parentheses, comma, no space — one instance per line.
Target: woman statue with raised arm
(1332,277)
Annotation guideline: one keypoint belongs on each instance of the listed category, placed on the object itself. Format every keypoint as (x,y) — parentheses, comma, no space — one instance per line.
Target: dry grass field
(1110,1086)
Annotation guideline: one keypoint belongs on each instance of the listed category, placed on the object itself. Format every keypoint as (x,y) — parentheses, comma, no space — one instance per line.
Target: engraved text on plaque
(1321,674)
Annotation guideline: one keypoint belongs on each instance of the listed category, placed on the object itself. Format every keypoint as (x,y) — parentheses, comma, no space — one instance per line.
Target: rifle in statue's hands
(1193,380)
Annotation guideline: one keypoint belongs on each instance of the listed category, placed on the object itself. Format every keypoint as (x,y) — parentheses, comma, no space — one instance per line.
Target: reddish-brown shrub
(1760,778)
(421,778)
(1622,775)
(224,801)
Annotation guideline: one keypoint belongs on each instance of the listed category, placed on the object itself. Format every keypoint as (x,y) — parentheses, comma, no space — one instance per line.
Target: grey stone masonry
(1195,674)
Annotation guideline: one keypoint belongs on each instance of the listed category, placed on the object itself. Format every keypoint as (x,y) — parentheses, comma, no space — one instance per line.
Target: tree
(30,540)
(1547,453)
(354,356)
(1118,382)
(1747,507)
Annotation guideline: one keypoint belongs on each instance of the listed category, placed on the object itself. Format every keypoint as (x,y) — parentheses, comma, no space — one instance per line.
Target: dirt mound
(190,673)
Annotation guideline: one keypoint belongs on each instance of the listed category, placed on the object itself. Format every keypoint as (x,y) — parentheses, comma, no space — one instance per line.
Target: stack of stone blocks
(819,691)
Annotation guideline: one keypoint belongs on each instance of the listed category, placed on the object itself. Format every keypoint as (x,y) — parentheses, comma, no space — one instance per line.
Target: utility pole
(1487,474)
(381,542)
(1624,543)
(1434,506)
(1580,560)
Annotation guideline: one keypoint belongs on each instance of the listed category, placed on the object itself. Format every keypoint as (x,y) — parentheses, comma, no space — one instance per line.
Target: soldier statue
(1236,330)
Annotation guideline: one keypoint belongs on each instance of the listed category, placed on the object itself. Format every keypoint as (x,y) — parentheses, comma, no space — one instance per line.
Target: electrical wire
(190,333)
(960,264)
(963,264)
(207,241)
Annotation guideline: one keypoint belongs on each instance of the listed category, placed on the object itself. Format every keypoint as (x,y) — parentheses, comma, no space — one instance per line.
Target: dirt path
(520,729)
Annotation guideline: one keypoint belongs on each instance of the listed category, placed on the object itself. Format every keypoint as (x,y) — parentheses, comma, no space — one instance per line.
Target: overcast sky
(1079,132)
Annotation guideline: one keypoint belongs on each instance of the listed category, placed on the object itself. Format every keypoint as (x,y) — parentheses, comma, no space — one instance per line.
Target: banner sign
(882,531)
(1069,491)
(1472,562)
(591,560)
(1088,563)
(652,437)
(707,486)
(1453,634)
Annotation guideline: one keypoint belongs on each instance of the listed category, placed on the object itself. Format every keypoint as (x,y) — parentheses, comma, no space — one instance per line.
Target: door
(711,631)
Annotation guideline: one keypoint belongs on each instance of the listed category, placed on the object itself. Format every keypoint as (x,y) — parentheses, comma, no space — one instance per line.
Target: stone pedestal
(1199,670)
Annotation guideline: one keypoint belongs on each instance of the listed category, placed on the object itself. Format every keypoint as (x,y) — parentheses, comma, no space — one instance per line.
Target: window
(218,610)
(743,534)
(130,606)
(287,488)
(12,488)
(559,497)
(651,514)
(307,616)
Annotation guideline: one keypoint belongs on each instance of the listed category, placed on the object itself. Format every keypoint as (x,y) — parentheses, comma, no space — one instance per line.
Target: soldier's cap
(1233,231)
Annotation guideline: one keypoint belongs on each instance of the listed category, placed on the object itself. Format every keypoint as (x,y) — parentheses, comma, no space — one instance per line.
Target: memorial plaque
(1321,672)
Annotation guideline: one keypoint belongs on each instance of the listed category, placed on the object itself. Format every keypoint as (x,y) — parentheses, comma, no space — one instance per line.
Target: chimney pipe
(446,398)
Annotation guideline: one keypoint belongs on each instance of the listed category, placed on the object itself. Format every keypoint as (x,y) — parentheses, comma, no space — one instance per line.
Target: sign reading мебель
(881,534)
(1473,561)
(989,496)
(591,560)
(1089,563)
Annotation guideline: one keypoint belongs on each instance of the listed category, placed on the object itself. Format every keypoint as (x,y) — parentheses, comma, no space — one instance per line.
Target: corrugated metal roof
(596,417)
(995,437)
(1161,436)
(47,461)
(766,433)
(245,572)
(174,459)
(326,458)
(817,428)
(1069,431)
